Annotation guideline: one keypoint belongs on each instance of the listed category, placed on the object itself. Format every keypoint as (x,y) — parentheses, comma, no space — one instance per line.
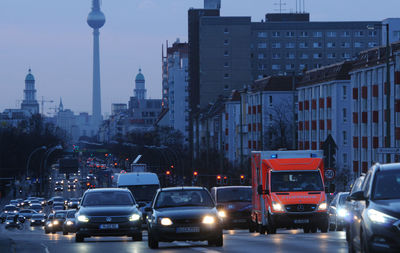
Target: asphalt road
(34,240)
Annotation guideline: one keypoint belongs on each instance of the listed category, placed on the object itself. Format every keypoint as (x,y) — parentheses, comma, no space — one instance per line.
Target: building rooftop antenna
(280,4)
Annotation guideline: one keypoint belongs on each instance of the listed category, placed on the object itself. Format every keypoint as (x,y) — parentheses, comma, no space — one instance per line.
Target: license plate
(108,226)
(188,230)
(301,221)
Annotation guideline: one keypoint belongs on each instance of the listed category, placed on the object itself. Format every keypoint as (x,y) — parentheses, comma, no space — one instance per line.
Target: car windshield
(183,197)
(143,192)
(71,214)
(342,199)
(387,185)
(58,200)
(234,195)
(296,181)
(108,198)
(60,215)
(10,208)
(37,216)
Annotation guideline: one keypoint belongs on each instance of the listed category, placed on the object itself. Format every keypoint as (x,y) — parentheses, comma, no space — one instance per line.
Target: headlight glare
(166,221)
(342,212)
(55,222)
(379,217)
(134,217)
(277,206)
(222,213)
(208,220)
(69,223)
(83,218)
(323,206)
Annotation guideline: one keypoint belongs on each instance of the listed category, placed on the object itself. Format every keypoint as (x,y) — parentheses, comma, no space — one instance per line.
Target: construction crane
(45,101)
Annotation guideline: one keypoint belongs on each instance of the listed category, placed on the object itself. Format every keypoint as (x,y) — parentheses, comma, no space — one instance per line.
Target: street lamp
(29,158)
(387,144)
(51,150)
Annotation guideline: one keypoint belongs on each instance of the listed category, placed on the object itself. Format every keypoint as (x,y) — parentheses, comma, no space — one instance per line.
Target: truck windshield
(144,193)
(296,181)
(234,195)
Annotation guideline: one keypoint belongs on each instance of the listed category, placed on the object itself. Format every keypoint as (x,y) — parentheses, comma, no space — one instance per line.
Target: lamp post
(387,88)
(48,153)
(29,159)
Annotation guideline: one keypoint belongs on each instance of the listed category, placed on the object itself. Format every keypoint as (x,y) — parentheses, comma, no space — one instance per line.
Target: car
(69,225)
(73,203)
(48,226)
(14,202)
(58,220)
(57,208)
(37,207)
(338,213)
(55,199)
(108,212)
(233,204)
(38,219)
(376,224)
(183,214)
(42,201)
(34,202)
(10,209)
(58,188)
(3,217)
(353,206)
(27,213)
(12,221)
(20,202)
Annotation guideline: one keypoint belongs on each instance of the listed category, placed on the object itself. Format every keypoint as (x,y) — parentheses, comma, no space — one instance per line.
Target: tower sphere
(96,19)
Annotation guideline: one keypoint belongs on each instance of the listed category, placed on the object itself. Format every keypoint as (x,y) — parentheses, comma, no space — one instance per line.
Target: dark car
(353,206)
(234,205)
(10,209)
(73,203)
(14,202)
(338,212)
(376,224)
(38,219)
(58,220)
(69,225)
(108,212)
(12,221)
(184,214)
(27,213)
(48,226)
(55,199)
(37,207)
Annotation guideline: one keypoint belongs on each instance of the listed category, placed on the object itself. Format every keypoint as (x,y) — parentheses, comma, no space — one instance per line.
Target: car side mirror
(357,196)
(148,210)
(260,190)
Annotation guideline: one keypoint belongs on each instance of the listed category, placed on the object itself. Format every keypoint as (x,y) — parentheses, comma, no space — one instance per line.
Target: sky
(53,39)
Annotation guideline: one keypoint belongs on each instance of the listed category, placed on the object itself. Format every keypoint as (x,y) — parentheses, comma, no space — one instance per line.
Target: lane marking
(200,249)
(45,248)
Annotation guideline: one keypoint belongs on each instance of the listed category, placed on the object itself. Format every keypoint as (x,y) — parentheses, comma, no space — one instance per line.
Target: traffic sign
(330,174)
(388,150)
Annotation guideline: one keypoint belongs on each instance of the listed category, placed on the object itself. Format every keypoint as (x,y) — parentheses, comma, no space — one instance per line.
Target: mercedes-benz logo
(300,208)
(108,219)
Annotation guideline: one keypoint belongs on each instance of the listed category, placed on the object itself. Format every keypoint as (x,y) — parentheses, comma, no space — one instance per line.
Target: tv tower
(96,20)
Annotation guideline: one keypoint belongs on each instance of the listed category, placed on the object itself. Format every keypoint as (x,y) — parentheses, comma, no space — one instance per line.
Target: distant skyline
(52,38)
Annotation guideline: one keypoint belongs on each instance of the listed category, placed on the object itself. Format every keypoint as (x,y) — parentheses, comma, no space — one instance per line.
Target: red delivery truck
(288,191)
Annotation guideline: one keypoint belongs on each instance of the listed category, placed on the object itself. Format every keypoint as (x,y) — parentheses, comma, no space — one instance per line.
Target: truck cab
(288,191)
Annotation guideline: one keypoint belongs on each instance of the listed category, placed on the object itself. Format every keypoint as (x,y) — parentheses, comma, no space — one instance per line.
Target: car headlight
(134,217)
(83,218)
(166,222)
(342,212)
(208,220)
(15,211)
(277,206)
(55,222)
(50,225)
(379,217)
(69,223)
(43,220)
(7,222)
(222,213)
(323,206)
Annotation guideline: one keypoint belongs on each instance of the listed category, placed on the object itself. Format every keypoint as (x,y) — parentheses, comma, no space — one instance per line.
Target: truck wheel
(324,227)
(137,237)
(79,238)
(271,229)
(251,226)
(261,229)
(153,244)
(314,229)
(218,241)
(306,230)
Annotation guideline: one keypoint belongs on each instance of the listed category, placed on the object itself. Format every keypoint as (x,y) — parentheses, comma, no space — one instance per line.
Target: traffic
(288,194)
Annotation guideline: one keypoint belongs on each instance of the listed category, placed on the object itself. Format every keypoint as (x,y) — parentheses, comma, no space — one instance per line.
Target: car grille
(105,219)
(301,208)
(188,221)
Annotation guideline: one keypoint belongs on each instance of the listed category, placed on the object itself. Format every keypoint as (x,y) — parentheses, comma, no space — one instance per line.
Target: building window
(262,35)
(289,66)
(303,45)
(358,44)
(289,34)
(331,56)
(303,34)
(302,66)
(372,44)
(344,91)
(261,66)
(290,45)
(276,56)
(290,55)
(226,76)
(226,42)
(359,34)
(226,87)
(317,44)
(276,45)
(344,112)
(345,55)
(276,67)
(346,34)
(226,53)
(317,65)
(304,56)
(331,34)
(270,100)
(331,45)
(372,33)
(261,56)
(226,64)
(276,34)
(226,30)
(345,159)
(317,56)
(262,45)
(344,137)
(345,44)
(317,34)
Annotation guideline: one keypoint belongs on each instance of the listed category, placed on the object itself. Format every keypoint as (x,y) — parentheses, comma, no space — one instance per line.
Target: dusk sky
(53,38)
